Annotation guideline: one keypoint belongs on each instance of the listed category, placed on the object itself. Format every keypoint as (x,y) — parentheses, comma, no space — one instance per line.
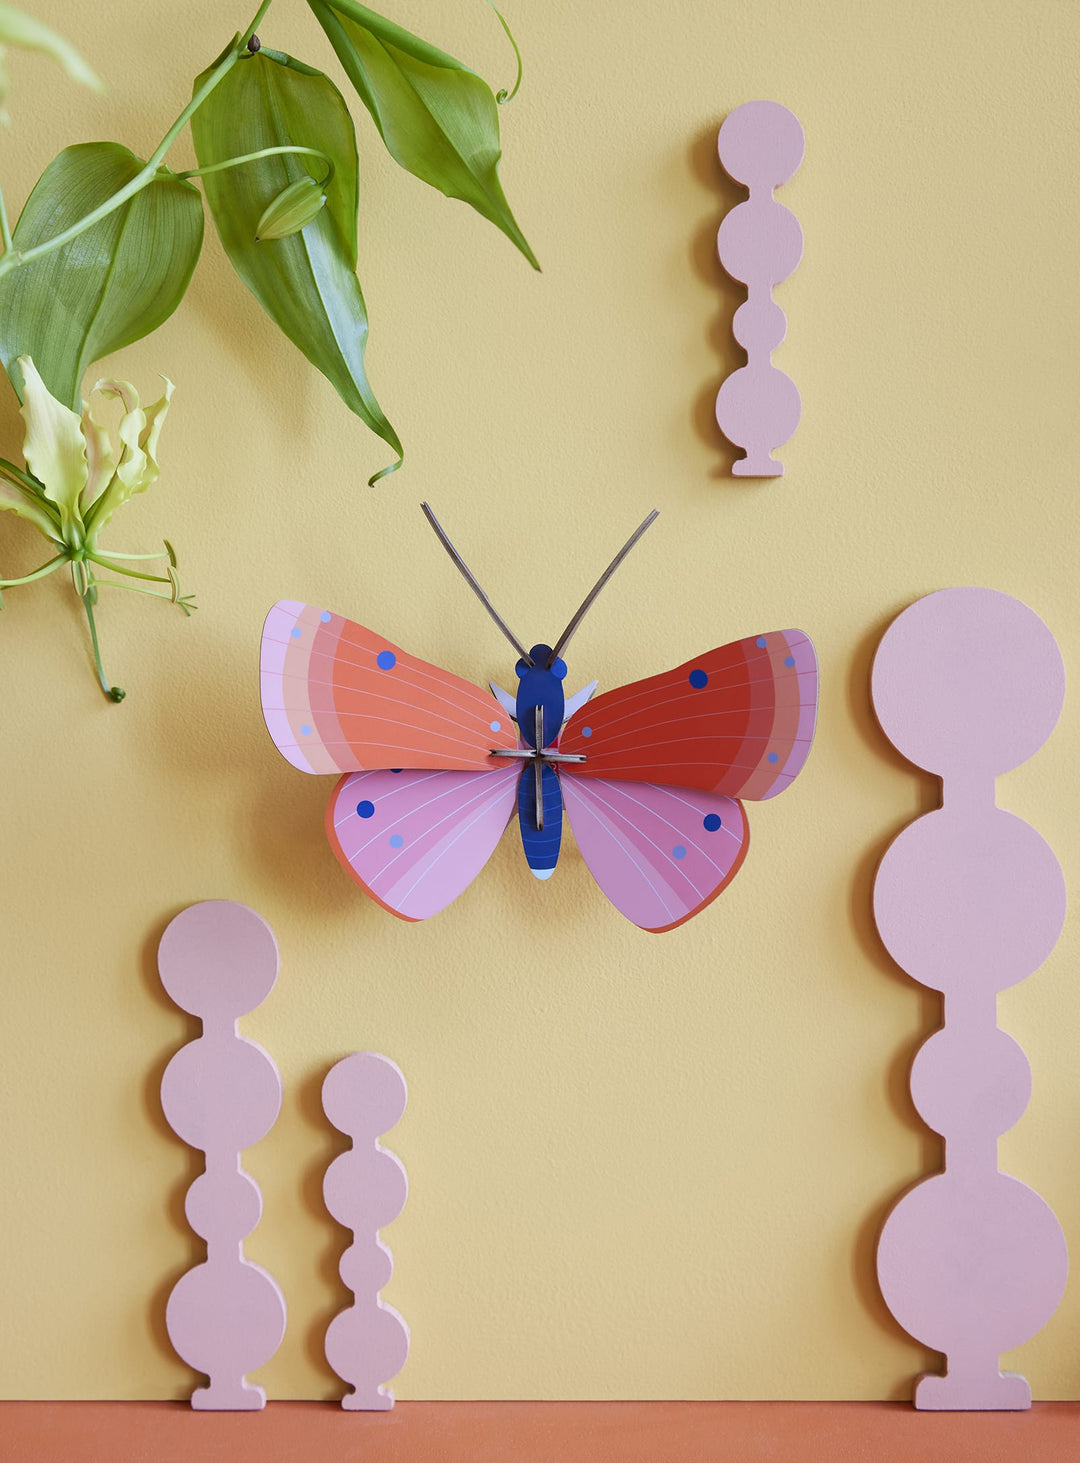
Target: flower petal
(55,449)
(139,432)
(34,510)
(100,458)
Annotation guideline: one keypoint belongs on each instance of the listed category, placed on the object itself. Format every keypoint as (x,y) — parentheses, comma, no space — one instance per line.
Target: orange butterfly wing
(339,698)
(737,721)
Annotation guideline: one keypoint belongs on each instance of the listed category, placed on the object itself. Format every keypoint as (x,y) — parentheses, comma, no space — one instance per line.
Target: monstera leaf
(304,280)
(437,118)
(110,285)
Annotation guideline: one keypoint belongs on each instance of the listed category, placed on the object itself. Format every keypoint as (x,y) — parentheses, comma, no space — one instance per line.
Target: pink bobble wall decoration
(760,243)
(221,1093)
(969,900)
(368,1343)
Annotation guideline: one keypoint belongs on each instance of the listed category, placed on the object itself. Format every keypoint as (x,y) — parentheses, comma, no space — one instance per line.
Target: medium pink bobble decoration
(221,1093)
(969,900)
(760,243)
(367,1344)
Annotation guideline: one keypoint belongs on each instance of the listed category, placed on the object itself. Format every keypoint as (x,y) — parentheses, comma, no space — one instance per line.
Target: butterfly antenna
(470,579)
(564,638)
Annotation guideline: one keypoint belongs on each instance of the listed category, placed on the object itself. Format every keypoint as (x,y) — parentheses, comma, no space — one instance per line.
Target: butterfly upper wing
(660,854)
(339,698)
(737,721)
(414,840)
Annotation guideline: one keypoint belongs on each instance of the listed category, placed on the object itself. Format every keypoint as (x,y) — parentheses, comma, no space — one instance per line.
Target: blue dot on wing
(305,731)
(296,632)
(774,757)
(679,851)
(789,661)
(365,808)
(698,678)
(712,822)
(386,660)
(761,642)
(395,769)
(586,731)
(495,725)
(325,617)
(396,840)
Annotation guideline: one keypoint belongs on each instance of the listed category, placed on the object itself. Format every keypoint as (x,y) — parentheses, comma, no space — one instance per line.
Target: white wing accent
(505,700)
(575,703)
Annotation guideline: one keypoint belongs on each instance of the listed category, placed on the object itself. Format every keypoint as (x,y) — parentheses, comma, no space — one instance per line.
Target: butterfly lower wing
(415,840)
(660,854)
(738,721)
(339,698)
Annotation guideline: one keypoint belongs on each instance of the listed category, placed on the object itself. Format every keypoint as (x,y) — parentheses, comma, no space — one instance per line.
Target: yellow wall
(640,1167)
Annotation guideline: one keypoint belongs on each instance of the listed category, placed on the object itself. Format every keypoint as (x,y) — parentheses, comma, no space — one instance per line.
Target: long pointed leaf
(438,119)
(109,286)
(305,282)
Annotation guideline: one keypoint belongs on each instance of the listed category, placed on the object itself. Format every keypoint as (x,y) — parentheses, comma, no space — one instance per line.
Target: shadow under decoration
(970,900)
(221,1093)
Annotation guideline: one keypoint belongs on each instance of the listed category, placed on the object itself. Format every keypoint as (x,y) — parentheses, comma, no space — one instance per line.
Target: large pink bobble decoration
(368,1343)
(760,243)
(969,900)
(221,1093)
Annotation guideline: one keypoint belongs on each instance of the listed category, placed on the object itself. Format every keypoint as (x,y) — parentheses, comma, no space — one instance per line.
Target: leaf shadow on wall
(173,1201)
(725,194)
(897,1091)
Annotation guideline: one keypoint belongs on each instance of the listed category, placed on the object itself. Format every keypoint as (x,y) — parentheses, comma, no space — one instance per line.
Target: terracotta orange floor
(536,1432)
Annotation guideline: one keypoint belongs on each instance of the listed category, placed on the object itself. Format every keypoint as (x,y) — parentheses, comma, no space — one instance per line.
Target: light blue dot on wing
(365,808)
(761,642)
(386,660)
(396,840)
(325,617)
(698,678)
(305,731)
(679,851)
(296,632)
(712,822)
(586,731)
(774,757)
(495,725)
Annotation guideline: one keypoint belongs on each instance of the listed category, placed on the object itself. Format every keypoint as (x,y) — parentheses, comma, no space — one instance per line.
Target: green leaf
(27,505)
(108,286)
(306,283)
(438,119)
(292,210)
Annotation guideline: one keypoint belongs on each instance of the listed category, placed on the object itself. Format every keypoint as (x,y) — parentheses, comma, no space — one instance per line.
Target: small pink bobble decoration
(970,900)
(221,1093)
(367,1344)
(760,243)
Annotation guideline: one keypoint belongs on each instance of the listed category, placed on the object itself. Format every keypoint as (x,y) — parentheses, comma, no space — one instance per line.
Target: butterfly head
(540,684)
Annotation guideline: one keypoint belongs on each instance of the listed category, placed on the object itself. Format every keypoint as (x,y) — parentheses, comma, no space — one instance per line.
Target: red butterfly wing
(737,721)
(339,698)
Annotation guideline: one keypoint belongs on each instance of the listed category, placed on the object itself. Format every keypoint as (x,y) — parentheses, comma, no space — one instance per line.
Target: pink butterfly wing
(415,840)
(660,854)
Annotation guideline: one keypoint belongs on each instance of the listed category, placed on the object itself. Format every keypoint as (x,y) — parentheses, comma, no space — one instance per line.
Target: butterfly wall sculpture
(651,775)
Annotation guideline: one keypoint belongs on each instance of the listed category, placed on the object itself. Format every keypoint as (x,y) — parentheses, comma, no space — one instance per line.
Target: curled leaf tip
(502,96)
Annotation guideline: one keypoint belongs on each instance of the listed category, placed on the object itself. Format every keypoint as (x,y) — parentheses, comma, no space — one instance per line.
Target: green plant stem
(503,96)
(14,258)
(5,227)
(114,693)
(37,574)
(251,157)
(137,589)
(129,573)
(101,554)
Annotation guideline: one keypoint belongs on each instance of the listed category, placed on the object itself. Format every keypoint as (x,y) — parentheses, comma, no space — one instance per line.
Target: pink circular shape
(761,144)
(968,681)
(218,959)
(758,407)
(364,1094)
(225,1206)
(972,1264)
(225,1319)
(760,243)
(987,1066)
(971,901)
(759,324)
(221,1095)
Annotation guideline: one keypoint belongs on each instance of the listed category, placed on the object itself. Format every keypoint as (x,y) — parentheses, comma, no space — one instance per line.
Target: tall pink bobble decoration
(221,1093)
(760,243)
(969,900)
(368,1343)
